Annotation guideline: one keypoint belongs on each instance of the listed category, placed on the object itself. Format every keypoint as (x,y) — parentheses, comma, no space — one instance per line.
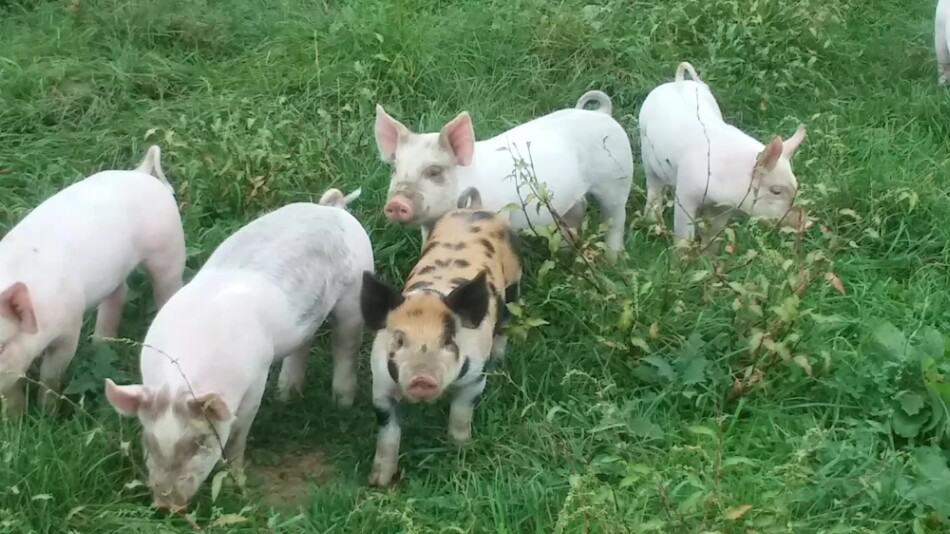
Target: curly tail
(685,68)
(335,198)
(152,164)
(470,199)
(600,97)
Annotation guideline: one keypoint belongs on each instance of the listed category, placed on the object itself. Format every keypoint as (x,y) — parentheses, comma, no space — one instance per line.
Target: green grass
(668,400)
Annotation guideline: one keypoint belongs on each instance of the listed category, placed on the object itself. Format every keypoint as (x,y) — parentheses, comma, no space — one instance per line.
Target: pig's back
(312,254)
(97,230)
(674,117)
(568,149)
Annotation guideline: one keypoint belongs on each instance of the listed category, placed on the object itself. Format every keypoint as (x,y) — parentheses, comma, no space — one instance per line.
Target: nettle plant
(913,378)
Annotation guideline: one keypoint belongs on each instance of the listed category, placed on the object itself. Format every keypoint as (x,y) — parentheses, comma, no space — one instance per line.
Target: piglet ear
(377,299)
(211,406)
(389,132)
(17,306)
(470,301)
(458,136)
(791,144)
(770,155)
(126,399)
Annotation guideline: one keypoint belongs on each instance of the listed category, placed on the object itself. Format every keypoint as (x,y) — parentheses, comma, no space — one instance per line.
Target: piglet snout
(399,209)
(423,388)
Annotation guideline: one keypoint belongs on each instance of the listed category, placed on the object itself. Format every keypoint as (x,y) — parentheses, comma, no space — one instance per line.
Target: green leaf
(644,428)
(694,372)
(640,343)
(888,341)
(216,483)
(545,268)
(662,367)
(702,430)
(699,276)
(908,426)
(911,402)
(932,487)
(930,344)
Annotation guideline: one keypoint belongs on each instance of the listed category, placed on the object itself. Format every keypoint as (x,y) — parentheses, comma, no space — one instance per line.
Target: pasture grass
(737,392)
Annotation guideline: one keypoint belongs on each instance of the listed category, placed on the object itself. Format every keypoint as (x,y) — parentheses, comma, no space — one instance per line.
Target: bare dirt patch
(286,481)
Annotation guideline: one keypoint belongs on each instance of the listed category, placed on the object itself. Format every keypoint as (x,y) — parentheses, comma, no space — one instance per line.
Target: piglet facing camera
(436,337)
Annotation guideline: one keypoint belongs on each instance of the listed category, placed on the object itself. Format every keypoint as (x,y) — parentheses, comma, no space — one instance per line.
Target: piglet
(258,299)
(688,146)
(575,152)
(441,332)
(941,43)
(74,252)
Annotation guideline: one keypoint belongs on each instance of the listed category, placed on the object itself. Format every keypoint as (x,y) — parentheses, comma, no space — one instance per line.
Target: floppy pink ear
(126,399)
(770,155)
(17,306)
(212,406)
(791,144)
(459,137)
(389,131)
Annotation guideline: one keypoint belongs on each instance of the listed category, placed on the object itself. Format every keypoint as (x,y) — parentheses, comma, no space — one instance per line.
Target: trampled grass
(728,393)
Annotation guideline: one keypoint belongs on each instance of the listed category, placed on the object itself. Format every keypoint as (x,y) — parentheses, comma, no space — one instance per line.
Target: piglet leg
(461,410)
(110,313)
(387,442)
(55,362)
(347,336)
(293,371)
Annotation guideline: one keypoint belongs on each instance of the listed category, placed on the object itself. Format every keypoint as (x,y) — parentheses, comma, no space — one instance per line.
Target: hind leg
(347,335)
(943,53)
(293,372)
(653,211)
(613,204)
(571,224)
(110,313)
(166,266)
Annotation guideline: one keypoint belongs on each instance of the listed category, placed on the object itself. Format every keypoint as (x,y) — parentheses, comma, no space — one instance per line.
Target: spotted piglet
(445,327)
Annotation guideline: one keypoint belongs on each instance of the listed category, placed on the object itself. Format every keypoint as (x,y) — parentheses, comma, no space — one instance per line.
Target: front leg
(460,413)
(387,442)
(54,364)
(684,219)
(236,445)
(13,399)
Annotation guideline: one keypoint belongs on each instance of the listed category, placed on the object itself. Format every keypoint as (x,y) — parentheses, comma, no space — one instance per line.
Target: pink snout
(399,209)
(423,388)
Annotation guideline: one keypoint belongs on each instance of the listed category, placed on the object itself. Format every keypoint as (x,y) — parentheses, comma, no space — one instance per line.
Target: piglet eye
(399,339)
(434,173)
(776,189)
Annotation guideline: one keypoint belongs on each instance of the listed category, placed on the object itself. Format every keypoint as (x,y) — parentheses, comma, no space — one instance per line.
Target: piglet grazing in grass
(259,298)
(74,252)
(574,153)
(941,42)
(445,327)
(709,163)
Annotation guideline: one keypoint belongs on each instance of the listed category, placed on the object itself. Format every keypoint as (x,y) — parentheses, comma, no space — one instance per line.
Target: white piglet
(710,164)
(574,152)
(258,299)
(941,42)
(74,252)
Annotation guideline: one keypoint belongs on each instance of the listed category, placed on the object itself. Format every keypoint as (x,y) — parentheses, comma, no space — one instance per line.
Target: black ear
(470,301)
(377,299)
